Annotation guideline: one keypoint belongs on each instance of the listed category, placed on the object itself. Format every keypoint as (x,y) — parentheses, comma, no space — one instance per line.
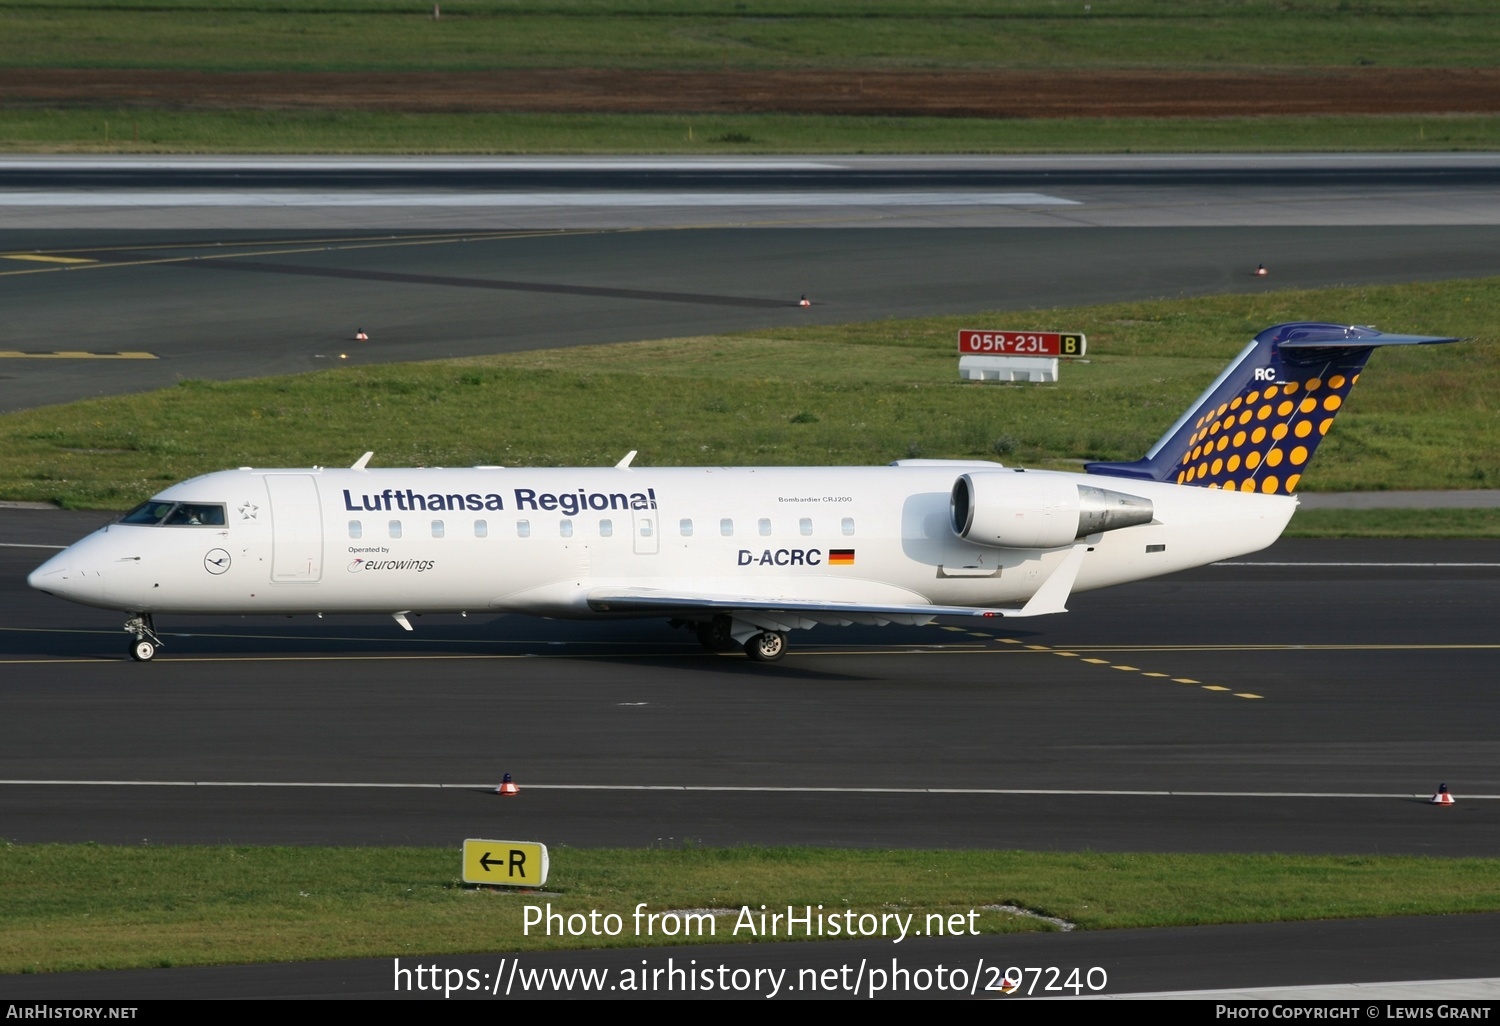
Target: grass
(1395,523)
(346,35)
(124,130)
(1421,418)
(70,907)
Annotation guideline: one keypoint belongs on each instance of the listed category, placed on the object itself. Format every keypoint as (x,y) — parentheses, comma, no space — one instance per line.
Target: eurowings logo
(360,564)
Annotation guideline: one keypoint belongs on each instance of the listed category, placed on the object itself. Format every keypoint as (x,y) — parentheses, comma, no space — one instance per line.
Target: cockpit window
(152,512)
(190,514)
(197,514)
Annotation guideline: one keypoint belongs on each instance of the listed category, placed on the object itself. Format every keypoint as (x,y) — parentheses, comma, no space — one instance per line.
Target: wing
(781,613)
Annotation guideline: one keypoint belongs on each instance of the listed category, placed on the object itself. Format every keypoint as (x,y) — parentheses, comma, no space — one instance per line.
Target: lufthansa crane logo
(216,562)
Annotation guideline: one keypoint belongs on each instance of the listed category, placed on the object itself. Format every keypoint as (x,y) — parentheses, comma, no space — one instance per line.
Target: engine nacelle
(1017,510)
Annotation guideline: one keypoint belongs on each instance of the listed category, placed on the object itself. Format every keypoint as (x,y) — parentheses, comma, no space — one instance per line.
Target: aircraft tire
(143,650)
(766,647)
(714,635)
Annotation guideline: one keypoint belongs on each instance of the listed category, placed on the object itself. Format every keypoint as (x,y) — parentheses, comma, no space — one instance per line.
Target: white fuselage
(540,540)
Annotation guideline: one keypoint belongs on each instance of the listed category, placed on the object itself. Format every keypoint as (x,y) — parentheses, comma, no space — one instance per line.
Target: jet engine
(1020,510)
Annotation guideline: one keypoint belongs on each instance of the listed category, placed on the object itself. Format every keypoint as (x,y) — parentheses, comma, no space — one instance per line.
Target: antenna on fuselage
(363,461)
(623,464)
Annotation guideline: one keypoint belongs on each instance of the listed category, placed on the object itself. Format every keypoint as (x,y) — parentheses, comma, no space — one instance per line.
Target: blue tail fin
(1255,428)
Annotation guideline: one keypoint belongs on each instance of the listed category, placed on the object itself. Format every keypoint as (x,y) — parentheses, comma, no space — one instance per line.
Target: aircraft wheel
(143,650)
(766,647)
(714,635)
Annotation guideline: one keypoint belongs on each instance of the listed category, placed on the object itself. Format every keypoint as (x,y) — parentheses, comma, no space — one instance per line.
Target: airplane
(739,555)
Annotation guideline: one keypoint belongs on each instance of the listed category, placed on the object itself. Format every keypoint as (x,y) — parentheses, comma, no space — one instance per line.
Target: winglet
(626,461)
(363,461)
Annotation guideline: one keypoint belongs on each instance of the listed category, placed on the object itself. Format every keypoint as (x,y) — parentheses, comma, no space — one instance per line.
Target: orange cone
(1260,271)
(508,787)
(1442,797)
(804,301)
(360,336)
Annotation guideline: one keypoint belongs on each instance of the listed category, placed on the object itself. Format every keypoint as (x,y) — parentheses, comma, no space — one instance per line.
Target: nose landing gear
(143,647)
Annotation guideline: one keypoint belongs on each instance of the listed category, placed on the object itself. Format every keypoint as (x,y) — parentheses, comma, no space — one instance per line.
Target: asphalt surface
(1371,663)
(625,734)
(768,175)
(1337,754)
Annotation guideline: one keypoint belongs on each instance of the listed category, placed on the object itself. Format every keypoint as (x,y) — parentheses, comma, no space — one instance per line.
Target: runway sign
(1020,343)
(505,863)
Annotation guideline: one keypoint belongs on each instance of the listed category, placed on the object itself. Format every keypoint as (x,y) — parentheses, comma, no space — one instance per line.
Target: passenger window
(805,525)
(565,528)
(523,528)
(765,526)
(481,529)
(606,528)
(686,528)
(356,529)
(437,529)
(726,527)
(394,528)
(848,525)
(645,527)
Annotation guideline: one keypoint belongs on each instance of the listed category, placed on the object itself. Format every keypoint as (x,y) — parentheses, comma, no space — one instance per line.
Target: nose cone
(61,576)
(50,575)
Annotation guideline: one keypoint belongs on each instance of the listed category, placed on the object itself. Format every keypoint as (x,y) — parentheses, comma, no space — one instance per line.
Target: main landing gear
(143,647)
(766,647)
(716,635)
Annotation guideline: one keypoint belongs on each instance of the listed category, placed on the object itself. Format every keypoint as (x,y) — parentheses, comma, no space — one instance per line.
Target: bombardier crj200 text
(741,555)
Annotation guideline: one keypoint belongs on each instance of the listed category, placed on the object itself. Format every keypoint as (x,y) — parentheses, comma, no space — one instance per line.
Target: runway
(461,258)
(652,192)
(1245,707)
(1306,699)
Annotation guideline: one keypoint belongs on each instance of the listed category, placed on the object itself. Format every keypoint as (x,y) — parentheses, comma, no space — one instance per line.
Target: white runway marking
(411,164)
(730,789)
(569,199)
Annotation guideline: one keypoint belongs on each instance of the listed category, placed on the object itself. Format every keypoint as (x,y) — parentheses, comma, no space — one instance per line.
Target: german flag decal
(840,557)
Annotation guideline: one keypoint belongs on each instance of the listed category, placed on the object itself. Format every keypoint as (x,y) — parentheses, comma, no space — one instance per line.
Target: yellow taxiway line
(16,354)
(44,258)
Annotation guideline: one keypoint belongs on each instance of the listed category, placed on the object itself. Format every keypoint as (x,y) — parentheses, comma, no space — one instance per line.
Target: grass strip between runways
(852,394)
(117,130)
(379,35)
